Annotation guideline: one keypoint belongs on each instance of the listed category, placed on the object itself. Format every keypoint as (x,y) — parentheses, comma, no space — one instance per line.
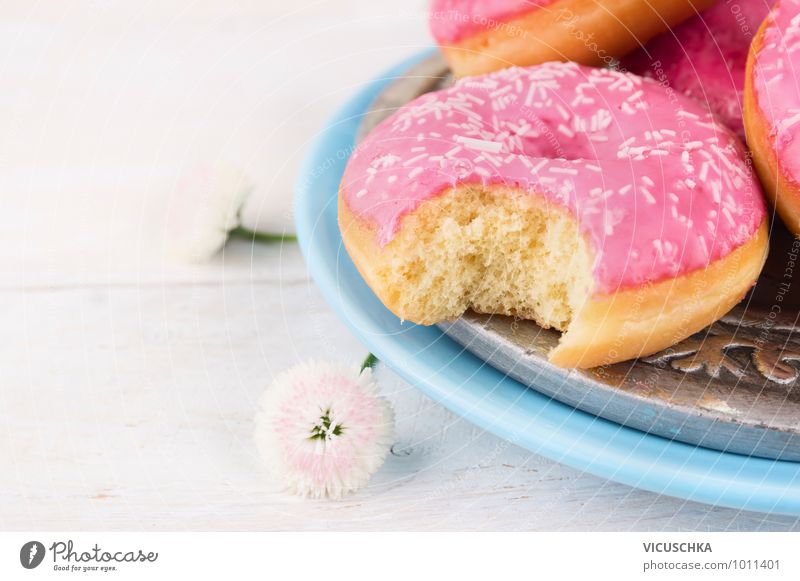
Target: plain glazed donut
(772,109)
(480,36)
(705,57)
(585,199)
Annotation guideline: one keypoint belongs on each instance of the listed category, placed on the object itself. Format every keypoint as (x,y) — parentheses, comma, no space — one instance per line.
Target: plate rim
(472,389)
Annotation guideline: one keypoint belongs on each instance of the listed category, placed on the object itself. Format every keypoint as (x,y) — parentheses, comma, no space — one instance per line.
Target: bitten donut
(705,57)
(479,36)
(772,109)
(586,199)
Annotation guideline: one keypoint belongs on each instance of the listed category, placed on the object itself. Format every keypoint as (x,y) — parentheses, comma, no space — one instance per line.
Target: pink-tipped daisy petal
(204,210)
(323,429)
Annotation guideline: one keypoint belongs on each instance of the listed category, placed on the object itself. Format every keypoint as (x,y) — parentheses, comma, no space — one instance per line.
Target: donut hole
(494,250)
(545,142)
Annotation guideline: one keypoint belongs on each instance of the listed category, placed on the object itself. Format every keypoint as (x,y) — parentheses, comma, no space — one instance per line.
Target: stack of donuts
(598,167)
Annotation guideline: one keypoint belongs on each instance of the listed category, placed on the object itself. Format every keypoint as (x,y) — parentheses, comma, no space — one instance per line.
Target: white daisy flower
(323,429)
(205,209)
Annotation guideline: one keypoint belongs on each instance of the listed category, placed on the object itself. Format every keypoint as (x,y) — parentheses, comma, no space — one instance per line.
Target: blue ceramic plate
(443,370)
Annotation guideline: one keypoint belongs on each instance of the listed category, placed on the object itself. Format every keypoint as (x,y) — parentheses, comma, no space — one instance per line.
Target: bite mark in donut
(589,200)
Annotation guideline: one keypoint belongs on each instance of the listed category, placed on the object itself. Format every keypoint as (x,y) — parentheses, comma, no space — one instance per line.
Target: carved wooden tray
(732,387)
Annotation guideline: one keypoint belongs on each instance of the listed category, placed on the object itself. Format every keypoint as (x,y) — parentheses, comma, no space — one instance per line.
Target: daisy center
(325,428)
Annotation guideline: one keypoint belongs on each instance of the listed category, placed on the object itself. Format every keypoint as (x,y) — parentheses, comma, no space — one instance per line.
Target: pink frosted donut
(589,200)
(772,109)
(705,57)
(479,36)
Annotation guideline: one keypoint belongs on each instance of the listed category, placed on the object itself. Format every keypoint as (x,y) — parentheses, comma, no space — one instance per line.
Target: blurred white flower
(323,429)
(205,209)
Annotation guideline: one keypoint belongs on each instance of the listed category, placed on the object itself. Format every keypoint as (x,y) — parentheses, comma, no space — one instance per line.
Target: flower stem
(369,362)
(254,236)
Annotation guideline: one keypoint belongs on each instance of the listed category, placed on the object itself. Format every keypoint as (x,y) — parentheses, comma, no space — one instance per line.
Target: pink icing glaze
(777,83)
(656,184)
(705,57)
(454,20)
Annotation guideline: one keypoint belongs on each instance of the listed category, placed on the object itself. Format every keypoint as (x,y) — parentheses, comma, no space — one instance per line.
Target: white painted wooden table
(129,382)
(127,403)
